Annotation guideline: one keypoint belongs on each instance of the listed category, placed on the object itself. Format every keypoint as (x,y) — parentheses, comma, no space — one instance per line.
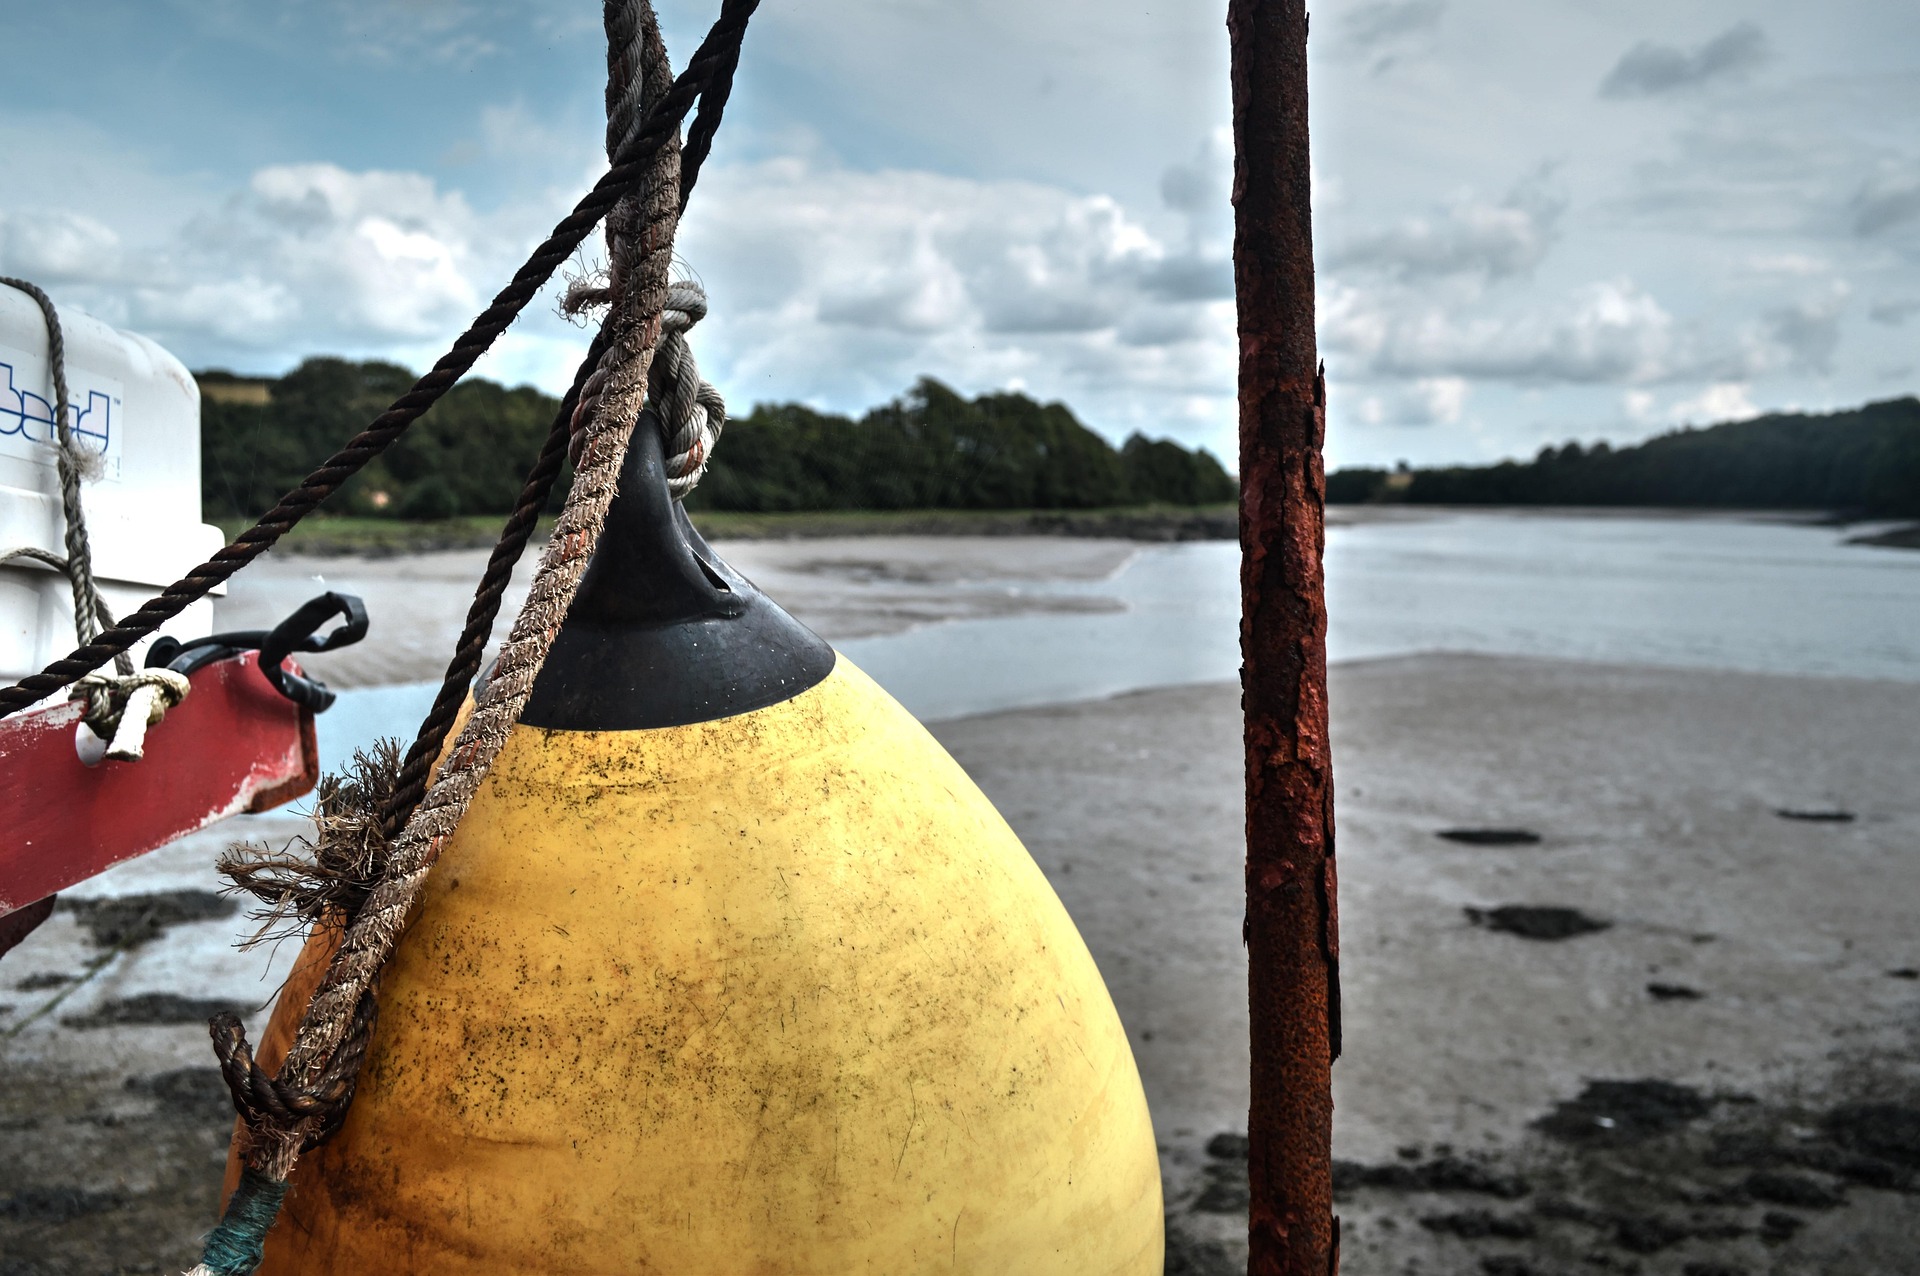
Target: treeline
(930,449)
(935,449)
(468,455)
(1865,461)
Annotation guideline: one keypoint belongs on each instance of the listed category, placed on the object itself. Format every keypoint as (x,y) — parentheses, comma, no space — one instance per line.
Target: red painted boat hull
(234,745)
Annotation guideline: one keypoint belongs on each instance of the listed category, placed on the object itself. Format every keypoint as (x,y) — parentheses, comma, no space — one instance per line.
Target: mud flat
(1628,1017)
(1635,1019)
(843,587)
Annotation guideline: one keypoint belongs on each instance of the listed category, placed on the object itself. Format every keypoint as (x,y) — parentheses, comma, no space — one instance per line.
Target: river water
(1710,592)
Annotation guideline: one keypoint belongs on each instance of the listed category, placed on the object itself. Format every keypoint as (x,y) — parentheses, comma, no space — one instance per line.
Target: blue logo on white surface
(30,416)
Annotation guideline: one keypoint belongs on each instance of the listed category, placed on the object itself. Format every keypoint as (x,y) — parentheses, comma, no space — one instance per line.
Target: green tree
(932,448)
(1864,461)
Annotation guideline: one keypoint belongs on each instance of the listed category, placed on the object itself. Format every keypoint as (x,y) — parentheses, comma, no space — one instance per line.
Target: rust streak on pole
(1291,931)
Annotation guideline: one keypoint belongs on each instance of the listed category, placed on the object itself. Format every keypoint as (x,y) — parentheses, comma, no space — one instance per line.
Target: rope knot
(120,708)
(690,411)
(686,306)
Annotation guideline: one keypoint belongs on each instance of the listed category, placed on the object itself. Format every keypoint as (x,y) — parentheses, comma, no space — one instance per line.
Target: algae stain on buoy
(729,969)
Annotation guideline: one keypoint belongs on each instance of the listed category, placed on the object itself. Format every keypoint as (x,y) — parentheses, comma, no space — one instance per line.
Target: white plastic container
(138,407)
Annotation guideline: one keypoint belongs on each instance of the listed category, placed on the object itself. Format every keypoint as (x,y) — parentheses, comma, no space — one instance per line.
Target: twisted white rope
(121,708)
(691,411)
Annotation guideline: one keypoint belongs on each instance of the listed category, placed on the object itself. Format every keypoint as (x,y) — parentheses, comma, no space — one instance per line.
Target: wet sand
(1784,948)
(1654,794)
(843,587)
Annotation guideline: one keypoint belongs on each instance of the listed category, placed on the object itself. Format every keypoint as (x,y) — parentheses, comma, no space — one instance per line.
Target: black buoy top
(662,632)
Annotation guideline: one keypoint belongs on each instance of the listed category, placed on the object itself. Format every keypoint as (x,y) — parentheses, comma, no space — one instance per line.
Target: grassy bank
(1131,522)
(337,534)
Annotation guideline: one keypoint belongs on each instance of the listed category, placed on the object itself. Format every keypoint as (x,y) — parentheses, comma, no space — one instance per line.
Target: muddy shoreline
(1674,1029)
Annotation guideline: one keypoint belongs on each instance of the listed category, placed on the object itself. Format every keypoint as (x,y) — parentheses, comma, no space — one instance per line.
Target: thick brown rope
(411,784)
(708,79)
(314,1084)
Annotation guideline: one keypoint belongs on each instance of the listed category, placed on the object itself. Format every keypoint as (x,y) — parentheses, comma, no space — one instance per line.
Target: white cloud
(1441,398)
(307,258)
(57,247)
(1648,69)
(1608,331)
(1894,311)
(1472,237)
(829,285)
(353,257)
(392,30)
(1722,401)
(1428,401)
(1199,186)
(1799,336)
(1381,33)
(1371,25)
(1788,265)
(1712,403)
(946,212)
(1888,199)
(838,286)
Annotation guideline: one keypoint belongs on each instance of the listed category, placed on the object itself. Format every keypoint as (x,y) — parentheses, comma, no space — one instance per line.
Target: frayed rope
(239,1244)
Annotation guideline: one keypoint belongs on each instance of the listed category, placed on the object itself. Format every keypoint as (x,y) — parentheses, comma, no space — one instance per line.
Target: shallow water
(1720,593)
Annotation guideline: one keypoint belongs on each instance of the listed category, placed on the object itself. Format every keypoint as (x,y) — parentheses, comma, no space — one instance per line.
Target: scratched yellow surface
(777,993)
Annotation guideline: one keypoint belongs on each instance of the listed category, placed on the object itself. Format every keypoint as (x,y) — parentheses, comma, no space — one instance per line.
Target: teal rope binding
(239,1245)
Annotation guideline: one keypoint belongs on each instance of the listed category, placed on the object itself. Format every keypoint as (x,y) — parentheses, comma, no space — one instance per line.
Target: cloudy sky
(1536,219)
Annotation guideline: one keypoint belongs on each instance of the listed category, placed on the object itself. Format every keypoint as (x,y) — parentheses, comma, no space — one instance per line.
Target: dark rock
(1455,1174)
(1442,1174)
(1348,1175)
(1226,1191)
(1726,1197)
(1673,992)
(1227,1147)
(1189,1255)
(1816,816)
(1791,1189)
(1828,1158)
(1740,1149)
(1561,1208)
(191,1090)
(1507,1265)
(1479,1224)
(1615,1112)
(131,920)
(1868,1171)
(1648,1233)
(1537,921)
(43,981)
(51,1205)
(1491,837)
(1776,1227)
(151,1008)
(1899,972)
(1885,1131)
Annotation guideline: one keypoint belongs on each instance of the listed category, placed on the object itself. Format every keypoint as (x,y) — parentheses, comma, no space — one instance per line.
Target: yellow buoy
(764,991)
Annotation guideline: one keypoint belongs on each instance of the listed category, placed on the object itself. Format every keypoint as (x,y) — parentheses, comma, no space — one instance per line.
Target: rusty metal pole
(1291,930)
